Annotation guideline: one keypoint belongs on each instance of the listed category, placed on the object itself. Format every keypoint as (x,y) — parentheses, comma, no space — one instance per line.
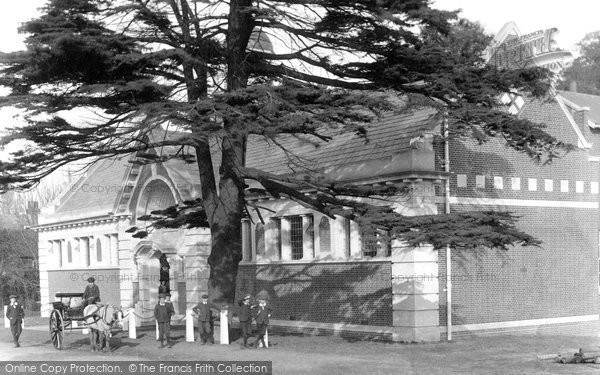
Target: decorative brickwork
(354,293)
(558,279)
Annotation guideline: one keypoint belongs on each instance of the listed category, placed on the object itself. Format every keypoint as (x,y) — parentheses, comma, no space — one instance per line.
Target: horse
(100,320)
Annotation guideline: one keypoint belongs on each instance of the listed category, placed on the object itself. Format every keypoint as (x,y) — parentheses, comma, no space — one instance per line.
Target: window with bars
(276,225)
(324,235)
(369,242)
(347,238)
(259,235)
(375,241)
(296,237)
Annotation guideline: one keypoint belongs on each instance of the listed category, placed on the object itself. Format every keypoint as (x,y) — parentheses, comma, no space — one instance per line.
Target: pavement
(331,355)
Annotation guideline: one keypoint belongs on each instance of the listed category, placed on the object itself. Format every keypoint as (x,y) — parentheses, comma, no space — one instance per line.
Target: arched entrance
(147,259)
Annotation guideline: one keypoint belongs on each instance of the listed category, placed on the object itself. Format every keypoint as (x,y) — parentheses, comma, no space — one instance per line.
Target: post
(224,331)
(189,326)
(448,252)
(156,323)
(132,324)
(6,321)
(138,311)
(260,345)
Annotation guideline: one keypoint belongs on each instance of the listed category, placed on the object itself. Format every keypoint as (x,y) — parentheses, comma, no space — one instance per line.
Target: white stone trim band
(522,323)
(522,202)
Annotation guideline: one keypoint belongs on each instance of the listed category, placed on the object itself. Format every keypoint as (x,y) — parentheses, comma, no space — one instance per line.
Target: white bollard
(132,324)
(189,326)
(6,320)
(139,312)
(224,329)
(260,345)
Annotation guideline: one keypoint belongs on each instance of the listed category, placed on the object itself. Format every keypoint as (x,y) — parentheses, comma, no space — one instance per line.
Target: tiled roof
(95,193)
(591,130)
(585,100)
(390,135)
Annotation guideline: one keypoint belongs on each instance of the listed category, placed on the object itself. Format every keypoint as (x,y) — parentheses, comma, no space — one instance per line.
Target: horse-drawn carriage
(69,313)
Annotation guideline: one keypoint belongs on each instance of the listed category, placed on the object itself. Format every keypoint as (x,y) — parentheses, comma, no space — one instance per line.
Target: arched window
(59,251)
(98,250)
(324,235)
(69,253)
(259,234)
(86,248)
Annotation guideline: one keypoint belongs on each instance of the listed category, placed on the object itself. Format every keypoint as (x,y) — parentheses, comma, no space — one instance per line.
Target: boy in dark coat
(15,314)
(245,316)
(92,293)
(205,320)
(263,313)
(163,312)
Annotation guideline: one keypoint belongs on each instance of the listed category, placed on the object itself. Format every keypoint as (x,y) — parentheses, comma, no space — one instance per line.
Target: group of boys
(164,310)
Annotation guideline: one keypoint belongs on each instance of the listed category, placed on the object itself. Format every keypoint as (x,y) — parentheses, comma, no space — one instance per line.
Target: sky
(573,18)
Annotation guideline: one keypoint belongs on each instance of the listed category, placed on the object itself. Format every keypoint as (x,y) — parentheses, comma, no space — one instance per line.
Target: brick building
(319,272)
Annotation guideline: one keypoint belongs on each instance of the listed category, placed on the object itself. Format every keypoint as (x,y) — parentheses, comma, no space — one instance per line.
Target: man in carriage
(91,295)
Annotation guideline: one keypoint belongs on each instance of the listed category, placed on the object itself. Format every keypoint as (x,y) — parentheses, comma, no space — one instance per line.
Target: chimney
(573,86)
(33,210)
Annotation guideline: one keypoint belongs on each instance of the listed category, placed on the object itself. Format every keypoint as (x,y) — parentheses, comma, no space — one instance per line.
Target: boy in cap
(263,313)
(92,293)
(15,314)
(245,316)
(162,313)
(205,320)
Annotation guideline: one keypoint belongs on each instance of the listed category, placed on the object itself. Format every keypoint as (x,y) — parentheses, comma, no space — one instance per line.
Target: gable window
(324,236)
(296,237)
(259,234)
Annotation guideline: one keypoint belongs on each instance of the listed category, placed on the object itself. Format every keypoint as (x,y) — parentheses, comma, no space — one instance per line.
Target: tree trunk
(226,218)
(225,256)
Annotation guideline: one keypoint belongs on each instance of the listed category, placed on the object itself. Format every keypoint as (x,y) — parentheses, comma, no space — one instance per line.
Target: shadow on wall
(353,293)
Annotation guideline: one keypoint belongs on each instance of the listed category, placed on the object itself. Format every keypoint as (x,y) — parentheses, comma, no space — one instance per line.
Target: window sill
(317,261)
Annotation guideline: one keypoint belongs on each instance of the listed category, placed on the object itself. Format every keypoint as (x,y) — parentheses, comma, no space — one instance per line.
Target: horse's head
(117,317)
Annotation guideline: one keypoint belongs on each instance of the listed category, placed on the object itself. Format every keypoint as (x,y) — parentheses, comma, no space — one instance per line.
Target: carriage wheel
(57,329)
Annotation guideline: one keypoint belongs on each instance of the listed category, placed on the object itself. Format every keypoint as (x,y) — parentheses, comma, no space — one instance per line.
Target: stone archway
(146,258)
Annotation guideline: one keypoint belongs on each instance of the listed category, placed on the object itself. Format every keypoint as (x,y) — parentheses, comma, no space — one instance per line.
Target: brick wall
(75,281)
(558,279)
(354,293)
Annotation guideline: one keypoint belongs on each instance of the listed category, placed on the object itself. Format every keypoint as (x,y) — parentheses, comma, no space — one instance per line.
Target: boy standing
(163,312)
(15,314)
(263,314)
(205,320)
(245,316)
